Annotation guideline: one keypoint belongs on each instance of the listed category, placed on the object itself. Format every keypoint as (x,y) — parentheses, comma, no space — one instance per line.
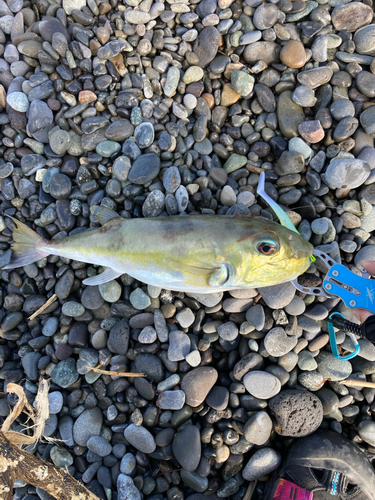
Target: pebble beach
(160,108)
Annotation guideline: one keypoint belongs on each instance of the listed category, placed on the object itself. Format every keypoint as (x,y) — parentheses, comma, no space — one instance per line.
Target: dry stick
(357,383)
(44,306)
(250,490)
(115,374)
(18,464)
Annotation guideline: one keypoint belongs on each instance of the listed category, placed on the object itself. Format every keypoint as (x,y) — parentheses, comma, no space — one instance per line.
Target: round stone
(347,173)
(262,385)
(262,463)
(265,16)
(242,83)
(18,101)
(139,437)
(144,135)
(331,367)
(144,169)
(278,343)
(60,186)
(107,148)
(59,142)
(293,54)
(110,291)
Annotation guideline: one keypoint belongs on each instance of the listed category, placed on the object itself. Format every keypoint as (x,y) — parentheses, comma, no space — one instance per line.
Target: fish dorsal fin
(103,214)
(107,275)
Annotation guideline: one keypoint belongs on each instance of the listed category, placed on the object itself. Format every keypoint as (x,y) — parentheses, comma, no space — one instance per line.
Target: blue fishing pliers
(356,291)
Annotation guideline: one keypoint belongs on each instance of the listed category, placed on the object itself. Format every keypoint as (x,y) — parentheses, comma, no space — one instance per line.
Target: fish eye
(266,248)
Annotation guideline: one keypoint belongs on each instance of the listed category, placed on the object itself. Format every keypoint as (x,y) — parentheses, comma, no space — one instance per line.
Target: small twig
(44,306)
(357,383)
(116,374)
(250,490)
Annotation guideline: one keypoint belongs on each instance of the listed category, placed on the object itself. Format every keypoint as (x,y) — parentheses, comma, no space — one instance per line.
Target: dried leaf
(38,415)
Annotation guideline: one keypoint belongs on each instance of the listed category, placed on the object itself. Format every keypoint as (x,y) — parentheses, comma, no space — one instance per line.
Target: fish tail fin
(28,246)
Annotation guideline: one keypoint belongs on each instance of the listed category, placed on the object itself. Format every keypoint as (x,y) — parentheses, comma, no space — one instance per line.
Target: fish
(193,253)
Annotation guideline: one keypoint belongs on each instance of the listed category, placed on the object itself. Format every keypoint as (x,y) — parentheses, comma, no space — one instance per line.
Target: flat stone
(88,424)
(262,385)
(139,437)
(126,489)
(234,163)
(290,115)
(351,16)
(267,52)
(278,296)
(187,448)
(364,40)
(18,101)
(197,384)
(144,169)
(179,346)
(315,77)
(206,45)
(312,131)
(171,400)
(346,173)
(331,367)
(262,463)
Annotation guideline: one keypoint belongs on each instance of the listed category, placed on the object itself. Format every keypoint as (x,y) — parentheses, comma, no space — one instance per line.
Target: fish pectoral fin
(203,276)
(222,275)
(107,275)
(103,214)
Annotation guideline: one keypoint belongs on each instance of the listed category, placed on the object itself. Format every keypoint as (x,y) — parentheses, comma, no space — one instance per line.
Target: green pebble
(234,162)
(139,300)
(111,291)
(107,148)
(242,83)
(73,309)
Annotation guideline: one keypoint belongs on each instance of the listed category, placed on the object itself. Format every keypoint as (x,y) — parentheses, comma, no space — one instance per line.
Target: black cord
(364,331)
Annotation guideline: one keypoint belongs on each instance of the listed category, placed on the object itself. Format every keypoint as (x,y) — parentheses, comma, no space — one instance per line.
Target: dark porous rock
(296,413)
(187,448)
(197,384)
